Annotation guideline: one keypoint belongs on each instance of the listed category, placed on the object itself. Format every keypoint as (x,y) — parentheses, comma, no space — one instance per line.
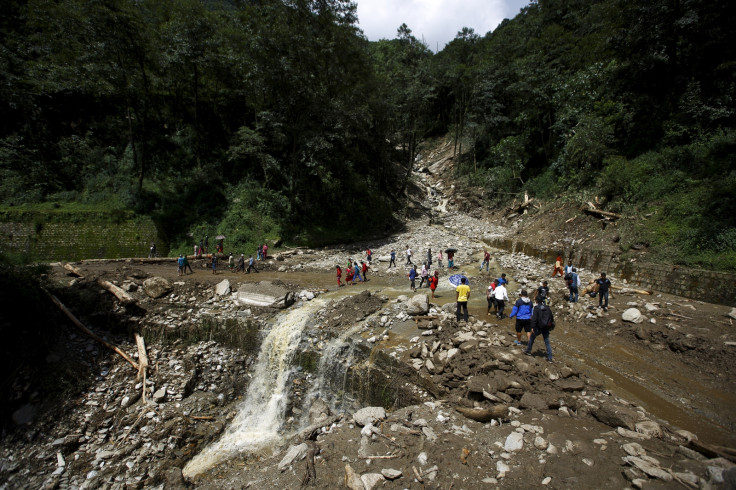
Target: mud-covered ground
(646,404)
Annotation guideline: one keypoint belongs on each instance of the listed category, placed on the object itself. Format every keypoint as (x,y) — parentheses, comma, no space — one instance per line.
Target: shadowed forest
(278,118)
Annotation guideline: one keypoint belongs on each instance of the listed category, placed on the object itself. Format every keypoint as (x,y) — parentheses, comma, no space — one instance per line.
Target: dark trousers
(500,304)
(601,294)
(464,306)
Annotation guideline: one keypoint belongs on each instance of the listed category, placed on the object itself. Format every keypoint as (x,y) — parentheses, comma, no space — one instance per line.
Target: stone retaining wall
(704,285)
(71,238)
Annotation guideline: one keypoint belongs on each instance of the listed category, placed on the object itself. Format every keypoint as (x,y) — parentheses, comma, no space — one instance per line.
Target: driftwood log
(89,332)
(311,432)
(121,295)
(522,208)
(592,209)
(713,451)
(638,291)
(142,362)
(484,414)
(75,271)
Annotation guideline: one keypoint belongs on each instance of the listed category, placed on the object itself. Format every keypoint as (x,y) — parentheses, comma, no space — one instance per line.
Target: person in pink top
(265,251)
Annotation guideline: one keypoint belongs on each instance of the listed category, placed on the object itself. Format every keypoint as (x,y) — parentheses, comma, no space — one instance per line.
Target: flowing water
(261,414)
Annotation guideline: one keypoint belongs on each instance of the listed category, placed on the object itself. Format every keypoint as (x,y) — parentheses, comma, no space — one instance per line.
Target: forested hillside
(278,118)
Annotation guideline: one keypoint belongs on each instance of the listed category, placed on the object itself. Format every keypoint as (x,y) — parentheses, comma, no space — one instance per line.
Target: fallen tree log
(89,332)
(75,271)
(591,209)
(713,451)
(484,414)
(142,362)
(522,208)
(121,295)
(638,291)
(311,432)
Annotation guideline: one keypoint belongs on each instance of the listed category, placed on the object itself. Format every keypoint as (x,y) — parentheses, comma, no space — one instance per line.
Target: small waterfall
(335,361)
(262,412)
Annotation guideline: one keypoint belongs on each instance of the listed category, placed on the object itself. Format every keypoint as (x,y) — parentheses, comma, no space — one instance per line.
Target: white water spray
(261,414)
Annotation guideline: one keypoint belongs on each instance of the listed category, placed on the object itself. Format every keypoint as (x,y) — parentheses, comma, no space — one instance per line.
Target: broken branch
(89,332)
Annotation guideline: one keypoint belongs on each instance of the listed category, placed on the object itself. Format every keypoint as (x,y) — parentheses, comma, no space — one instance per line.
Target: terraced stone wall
(55,237)
(704,285)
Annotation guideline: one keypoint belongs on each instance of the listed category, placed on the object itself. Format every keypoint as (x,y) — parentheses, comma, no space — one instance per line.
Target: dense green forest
(266,118)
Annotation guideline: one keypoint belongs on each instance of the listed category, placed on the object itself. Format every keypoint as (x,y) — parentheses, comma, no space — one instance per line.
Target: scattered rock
(418,305)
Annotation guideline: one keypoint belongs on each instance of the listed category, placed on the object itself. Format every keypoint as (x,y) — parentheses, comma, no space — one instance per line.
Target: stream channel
(258,426)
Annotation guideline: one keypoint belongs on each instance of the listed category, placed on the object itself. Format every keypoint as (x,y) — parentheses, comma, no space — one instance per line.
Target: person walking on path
(408,256)
(180,265)
(214,263)
(241,264)
(339,276)
(231,262)
(558,267)
(369,255)
(187,266)
(356,269)
(462,295)
(251,264)
(265,252)
(543,293)
(486,261)
(604,284)
(364,270)
(572,285)
(522,310)
(425,276)
(429,258)
(259,252)
(450,260)
(433,281)
(501,297)
(393,259)
(439,258)
(349,272)
(490,298)
(501,281)
(413,277)
(542,323)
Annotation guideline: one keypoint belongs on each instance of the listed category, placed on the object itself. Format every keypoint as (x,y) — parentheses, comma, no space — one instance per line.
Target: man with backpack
(572,284)
(542,323)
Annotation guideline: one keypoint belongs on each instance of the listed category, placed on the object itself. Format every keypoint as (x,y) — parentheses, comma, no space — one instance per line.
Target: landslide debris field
(623,403)
(383,388)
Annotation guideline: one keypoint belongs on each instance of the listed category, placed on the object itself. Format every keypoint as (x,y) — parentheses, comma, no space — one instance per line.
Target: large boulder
(632,315)
(265,293)
(616,415)
(156,287)
(223,288)
(369,415)
(418,305)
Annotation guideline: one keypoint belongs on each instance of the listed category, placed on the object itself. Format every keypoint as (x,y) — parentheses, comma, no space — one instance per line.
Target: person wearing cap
(241,263)
(462,295)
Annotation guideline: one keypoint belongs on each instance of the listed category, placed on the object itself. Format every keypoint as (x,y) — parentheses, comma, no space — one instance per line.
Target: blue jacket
(522,309)
(413,274)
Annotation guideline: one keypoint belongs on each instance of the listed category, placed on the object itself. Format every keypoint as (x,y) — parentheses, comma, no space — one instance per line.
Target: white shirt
(500,293)
(408,252)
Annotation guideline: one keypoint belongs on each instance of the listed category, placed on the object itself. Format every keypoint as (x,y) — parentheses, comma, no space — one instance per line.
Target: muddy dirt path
(692,390)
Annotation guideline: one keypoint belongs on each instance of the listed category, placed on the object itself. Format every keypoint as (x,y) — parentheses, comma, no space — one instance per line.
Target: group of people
(429,260)
(432,280)
(599,287)
(354,271)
